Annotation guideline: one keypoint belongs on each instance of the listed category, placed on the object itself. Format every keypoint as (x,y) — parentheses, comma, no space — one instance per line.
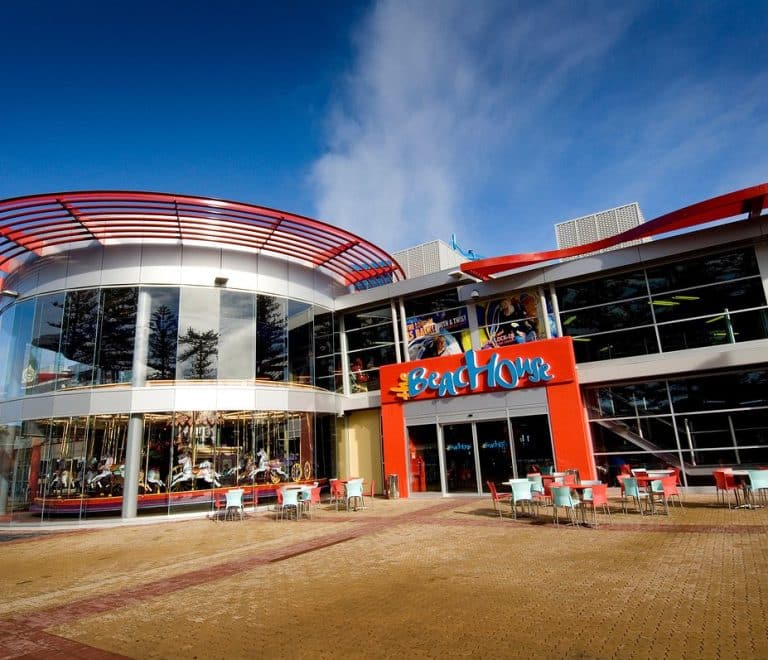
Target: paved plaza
(416,578)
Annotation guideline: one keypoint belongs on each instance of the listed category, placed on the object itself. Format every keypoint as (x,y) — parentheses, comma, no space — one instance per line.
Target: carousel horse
(206,472)
(186,473)
(154,482)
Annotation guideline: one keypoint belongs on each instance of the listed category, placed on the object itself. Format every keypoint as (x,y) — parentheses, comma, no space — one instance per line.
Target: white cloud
(438,97)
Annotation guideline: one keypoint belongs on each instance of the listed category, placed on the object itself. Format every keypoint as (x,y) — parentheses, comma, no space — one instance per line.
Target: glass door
(460,454)
(532,443)
(494,452)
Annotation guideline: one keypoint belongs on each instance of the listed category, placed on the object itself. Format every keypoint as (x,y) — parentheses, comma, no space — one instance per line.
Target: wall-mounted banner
(481,371)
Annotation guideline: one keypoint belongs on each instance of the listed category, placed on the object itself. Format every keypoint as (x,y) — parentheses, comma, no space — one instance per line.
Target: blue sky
(400,121)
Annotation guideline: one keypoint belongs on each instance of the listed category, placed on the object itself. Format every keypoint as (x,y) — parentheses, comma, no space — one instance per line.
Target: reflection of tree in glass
(162,343)
(81,311)
(201,347)
(116,339)
(271,326)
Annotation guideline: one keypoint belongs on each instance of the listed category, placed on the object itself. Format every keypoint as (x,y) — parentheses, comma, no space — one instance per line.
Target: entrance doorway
(496,450)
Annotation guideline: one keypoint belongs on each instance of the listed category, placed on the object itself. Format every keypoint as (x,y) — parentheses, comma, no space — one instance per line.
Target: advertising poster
(513,319)
(438,333)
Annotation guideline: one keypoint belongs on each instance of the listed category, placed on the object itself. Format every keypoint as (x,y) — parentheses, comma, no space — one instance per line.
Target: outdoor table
(742,477)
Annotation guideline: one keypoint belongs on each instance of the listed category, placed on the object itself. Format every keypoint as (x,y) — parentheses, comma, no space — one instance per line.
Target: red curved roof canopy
(31,225)
(749,200)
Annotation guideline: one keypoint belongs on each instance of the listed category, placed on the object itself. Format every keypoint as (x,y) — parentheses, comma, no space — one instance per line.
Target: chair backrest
(599,494)
(314,494)
(724,480)
(625,469)
(279,495)
(235,497)
(561,496)
(355,488)
(537,484)
(290,496)
(657,485)
(758,478)
(629,484)
(492,488)
(337,488)
(669,485)
(521,490)
(547,469)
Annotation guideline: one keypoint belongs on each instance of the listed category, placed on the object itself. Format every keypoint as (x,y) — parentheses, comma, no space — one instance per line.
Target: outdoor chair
(631,490)
(497,498)
(234,505)
(594,497)
(562,497)
(758,484)
(289,502)
(336,492)
(354,493)
(539,493)
(725,483)
(521,494)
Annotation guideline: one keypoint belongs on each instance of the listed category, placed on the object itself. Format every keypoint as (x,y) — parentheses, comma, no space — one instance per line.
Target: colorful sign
(496,372)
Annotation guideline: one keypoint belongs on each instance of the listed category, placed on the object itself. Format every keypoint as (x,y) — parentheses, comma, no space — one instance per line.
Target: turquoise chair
(354,493)
(631,490)
(521,493)
(562,497)
(758,484)
(538,491)
(290,502)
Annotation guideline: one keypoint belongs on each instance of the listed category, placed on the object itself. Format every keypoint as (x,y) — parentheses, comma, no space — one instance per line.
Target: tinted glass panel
(237,336)
(594,292)
(19,354)
(163,333)
(607,318)
(44,358)
(198,350)
(114,354)
(709,300)
(300,352)
(435,302)
(78,340)
(271,338)
(615,345)
(703,270)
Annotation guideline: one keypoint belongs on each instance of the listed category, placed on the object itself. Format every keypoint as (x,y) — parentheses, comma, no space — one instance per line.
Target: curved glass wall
(704,301)
(699,423)
(86,338)
(76,465)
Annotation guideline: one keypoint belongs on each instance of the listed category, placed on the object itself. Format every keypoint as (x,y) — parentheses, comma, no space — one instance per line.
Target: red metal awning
(749,200)
(35,224)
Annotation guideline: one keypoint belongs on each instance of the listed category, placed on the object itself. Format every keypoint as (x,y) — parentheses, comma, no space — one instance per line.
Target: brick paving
(417,578)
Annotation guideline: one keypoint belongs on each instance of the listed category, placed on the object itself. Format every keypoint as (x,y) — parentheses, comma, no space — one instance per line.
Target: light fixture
(10,293)
(221,281)
(475,293)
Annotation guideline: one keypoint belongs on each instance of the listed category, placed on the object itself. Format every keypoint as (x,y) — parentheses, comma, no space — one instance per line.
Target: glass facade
(370,343)
(699,422)
(77,461)
(87,338)
(704,301)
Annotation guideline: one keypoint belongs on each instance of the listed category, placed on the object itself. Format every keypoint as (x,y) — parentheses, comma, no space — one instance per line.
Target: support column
(132,465)
(136,420)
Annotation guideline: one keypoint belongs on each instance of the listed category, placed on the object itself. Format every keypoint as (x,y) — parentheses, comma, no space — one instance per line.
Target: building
(158,349)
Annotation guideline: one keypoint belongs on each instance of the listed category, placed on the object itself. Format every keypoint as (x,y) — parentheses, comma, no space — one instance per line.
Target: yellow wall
(359,446)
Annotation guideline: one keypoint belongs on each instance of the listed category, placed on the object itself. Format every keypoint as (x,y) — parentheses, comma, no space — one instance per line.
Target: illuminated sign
(497,372)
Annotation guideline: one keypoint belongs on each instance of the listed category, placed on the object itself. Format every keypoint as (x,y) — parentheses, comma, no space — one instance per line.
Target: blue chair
(354,493)
(538,491)
(290,502)
(234,505)
(631,490)
(758,484)
(562,497)
(521,493)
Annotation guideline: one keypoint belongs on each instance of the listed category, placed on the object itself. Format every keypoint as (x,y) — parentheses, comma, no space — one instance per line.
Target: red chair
(725,483)
(497,497)
(597,498)
(338,494)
